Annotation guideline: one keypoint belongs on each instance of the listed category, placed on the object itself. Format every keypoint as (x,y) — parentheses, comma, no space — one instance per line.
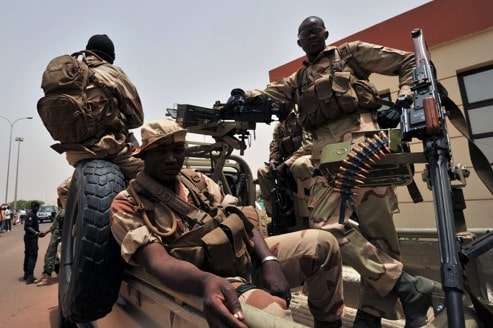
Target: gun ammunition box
(391,170)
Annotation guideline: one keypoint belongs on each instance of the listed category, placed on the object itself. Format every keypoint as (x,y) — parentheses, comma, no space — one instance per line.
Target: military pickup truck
(144,301)
(97,289)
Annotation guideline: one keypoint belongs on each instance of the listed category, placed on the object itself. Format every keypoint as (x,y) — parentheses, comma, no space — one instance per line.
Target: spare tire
(91,267)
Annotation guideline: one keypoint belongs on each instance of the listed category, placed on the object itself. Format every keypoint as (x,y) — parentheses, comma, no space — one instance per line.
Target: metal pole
(10,149)
(18,139)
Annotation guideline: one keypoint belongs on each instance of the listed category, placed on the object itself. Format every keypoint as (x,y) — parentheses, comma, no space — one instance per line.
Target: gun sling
(479,161)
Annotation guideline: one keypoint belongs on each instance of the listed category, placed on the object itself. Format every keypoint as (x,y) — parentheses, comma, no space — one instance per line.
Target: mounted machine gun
(230,127)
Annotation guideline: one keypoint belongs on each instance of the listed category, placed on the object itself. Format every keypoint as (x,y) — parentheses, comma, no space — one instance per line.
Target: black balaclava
(102,46)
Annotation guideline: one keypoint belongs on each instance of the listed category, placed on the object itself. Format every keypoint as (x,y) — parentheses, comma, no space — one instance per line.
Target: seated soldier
(114,142)
(289,142)
(166,205)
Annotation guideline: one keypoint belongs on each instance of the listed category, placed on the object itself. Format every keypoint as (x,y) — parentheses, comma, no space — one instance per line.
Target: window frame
(470,106)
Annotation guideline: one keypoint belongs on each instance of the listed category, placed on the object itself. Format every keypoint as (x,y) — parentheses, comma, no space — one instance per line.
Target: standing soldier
(334,98)
(50,256)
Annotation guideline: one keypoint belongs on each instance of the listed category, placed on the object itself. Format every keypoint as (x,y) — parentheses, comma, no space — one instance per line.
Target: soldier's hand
(390,118)
(237,98)
(42,234)
(282,169)
(221,305)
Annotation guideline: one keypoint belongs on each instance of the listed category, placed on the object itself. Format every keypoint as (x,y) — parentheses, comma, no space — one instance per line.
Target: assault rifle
(426,121)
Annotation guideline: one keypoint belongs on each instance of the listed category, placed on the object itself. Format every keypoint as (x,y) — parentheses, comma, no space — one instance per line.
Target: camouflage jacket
(325,89)
(57,225)
(289,141)
(112,78)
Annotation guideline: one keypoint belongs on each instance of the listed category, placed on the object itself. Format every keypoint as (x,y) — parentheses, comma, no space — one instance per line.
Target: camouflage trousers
(372,249)
(309,258)
(50,255)
(302,170)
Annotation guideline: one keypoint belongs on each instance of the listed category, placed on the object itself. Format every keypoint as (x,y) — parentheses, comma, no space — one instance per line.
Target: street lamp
(10,148)
(18,139)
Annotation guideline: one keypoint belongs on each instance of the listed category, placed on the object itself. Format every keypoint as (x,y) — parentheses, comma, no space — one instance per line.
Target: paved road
(24,305)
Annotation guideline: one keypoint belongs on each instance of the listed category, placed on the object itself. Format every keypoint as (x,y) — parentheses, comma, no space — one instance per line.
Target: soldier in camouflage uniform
(289,142)
(334,99)
(115,143)
(277,263)
(50,256)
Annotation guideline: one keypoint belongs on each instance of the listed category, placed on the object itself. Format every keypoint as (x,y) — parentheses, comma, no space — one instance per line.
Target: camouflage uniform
(302,170)
(56,234)
(310,256)
(287,138)
(115,143)
(375,251)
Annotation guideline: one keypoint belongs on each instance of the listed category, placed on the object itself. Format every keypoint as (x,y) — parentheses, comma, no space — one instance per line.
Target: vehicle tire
(91,267)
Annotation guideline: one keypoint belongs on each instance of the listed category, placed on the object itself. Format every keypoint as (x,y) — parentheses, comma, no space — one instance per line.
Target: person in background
(1,221)
(22,214)
(8,219)
(31,234)
(146,224)
(335,98)
(55,239)
(289,142)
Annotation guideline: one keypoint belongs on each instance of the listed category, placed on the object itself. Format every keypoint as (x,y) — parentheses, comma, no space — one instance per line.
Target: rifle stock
(426,121)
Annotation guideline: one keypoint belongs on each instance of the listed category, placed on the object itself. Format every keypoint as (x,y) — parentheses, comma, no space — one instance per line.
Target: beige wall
(449,58)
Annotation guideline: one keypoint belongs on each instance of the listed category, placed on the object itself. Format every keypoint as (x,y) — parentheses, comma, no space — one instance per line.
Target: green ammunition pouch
(219,241)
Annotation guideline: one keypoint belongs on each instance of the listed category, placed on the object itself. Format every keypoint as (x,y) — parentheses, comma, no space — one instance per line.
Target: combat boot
(366,320)
(416,294)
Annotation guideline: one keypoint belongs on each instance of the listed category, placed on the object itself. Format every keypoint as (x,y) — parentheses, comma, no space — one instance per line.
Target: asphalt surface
(25,305)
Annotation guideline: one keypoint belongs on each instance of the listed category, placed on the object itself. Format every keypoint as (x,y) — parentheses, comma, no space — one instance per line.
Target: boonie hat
(159,132)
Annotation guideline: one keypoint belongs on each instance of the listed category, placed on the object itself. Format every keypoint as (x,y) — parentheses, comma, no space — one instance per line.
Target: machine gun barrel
(428,124)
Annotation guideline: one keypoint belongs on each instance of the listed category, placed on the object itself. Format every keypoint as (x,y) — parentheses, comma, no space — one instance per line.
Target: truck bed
(145,302)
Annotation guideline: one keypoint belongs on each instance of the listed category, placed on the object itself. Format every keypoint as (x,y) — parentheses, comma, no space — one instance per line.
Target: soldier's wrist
(270,258)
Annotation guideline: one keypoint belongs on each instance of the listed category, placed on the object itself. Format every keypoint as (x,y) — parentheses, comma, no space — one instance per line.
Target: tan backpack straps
(348,58)
(166,197)
(132,189)
(192,180)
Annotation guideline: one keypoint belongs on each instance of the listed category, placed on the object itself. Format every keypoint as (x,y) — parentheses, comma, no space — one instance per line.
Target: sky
(175,52)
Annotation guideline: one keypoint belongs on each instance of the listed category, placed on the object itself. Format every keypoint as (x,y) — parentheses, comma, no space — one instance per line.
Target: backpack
(64,109)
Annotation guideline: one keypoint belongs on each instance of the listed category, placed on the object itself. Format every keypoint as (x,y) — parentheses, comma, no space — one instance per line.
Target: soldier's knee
(328,246)
(263,300)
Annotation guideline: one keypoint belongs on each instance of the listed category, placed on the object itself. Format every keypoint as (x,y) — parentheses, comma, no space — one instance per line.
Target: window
(476,87)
